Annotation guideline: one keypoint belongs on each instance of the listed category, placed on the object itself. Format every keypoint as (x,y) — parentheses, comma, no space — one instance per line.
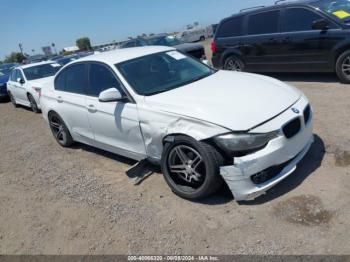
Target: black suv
(298,36)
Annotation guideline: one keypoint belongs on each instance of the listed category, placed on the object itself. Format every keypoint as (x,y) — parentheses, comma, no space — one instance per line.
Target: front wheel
(191,168)
(60,130)
(33,104)
(233,63)
(342,67)
(13,100)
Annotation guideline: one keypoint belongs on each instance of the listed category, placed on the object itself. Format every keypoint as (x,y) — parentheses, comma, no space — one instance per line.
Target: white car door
(16,88)
(21,86)
(115,124)
(70,94)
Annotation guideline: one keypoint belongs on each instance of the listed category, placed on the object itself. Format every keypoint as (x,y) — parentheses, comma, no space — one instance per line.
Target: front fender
(156,125)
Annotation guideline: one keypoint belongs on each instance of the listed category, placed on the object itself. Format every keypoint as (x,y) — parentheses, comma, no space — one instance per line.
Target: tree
(84,44)
(15,58)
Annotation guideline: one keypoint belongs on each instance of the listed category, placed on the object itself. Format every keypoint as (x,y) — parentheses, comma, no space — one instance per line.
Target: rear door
(115,124)
(261,43)
(306,49)
(71,86)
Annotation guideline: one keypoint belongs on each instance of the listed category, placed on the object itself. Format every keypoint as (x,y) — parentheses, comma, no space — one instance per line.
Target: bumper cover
(279,150)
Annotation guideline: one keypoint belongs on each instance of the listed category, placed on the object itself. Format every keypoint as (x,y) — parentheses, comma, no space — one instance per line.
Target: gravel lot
(79,201)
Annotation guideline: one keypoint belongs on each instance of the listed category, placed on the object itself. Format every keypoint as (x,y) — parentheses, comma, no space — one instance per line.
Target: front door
(306,49)
(115,124)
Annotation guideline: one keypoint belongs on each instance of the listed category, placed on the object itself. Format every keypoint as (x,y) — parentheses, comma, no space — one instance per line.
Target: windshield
(161,72)
(41,71)
(5,72)
(166,41)
(339,9)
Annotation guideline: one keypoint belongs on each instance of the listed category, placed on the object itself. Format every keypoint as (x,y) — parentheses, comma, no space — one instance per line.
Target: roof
(35,64)
(121,55)
(275,6)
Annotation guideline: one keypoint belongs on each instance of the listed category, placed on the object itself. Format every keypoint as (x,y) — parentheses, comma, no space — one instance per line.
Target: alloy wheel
(58,129)
(233,65)
(186,166)
(346,67)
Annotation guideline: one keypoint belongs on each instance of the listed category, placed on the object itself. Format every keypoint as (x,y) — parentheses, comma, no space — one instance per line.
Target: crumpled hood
(237,101)
(40,82)
(188,47)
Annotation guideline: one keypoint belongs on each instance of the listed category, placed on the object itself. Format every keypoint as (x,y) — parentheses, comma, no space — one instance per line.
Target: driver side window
(101,78)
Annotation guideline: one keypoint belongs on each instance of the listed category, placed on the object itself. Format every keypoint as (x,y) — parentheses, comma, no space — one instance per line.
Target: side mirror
(321,24)
(111,95)
(20,80)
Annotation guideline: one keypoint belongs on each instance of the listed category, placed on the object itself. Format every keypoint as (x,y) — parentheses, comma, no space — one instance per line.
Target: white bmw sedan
(203,126)
(25,83)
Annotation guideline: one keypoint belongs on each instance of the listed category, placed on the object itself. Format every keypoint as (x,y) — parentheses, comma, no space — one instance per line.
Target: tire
(60,130)
(12,99)
(342,67)
(207,166)
(33,104)
(233,63)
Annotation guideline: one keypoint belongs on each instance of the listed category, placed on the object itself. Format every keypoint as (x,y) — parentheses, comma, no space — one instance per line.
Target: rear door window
(231,28)
(72,79)
(299,19)
(264,23)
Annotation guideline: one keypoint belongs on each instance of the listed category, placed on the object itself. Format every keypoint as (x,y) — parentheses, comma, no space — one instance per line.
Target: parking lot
(55,200)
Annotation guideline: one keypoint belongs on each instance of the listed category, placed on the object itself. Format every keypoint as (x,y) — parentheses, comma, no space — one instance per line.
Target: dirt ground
(79,201)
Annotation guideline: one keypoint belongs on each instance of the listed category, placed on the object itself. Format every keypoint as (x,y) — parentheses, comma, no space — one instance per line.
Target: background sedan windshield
(41,71)
(166,41)
(162,72)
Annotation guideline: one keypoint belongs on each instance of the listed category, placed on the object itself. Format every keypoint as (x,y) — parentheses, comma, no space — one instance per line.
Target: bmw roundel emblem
(295,110)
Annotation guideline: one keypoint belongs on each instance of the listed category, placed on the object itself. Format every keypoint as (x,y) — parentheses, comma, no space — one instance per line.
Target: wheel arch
(231,52)
(338,51)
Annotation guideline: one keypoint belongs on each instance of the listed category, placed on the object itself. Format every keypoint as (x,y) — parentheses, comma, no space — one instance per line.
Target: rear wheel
(191,168)
(60,130)
(13,101)
(233,63)
(342,67)
(33,104)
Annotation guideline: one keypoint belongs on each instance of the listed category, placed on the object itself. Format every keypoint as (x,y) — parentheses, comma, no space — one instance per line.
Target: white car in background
(201,125)
(25,83)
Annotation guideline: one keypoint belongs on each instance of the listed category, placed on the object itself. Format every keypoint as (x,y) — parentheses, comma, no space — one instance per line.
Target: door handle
(91,108)
(287,40)
(273,40)
(59,99)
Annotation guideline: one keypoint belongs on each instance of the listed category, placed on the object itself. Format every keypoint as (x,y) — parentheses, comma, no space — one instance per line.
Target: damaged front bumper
(252,175)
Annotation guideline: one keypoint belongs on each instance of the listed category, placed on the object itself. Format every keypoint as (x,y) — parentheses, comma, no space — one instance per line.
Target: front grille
(292,128)
(198,53)
(307,114)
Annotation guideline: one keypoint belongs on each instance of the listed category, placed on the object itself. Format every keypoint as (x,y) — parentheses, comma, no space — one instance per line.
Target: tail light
(213,47)
(37,90)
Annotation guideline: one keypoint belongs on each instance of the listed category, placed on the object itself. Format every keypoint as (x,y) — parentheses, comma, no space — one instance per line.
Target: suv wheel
(60,130)
(33,104)
(233,63)
(342,67)
(191,168)
(13,101)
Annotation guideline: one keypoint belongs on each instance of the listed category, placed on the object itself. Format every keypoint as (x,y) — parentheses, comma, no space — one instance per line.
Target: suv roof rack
(280,1)
(251,8)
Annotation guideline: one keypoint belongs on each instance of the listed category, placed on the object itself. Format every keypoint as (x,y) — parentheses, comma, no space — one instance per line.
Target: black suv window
(101,78)
(231,27)
(263,23)
(298,19)
(72,79)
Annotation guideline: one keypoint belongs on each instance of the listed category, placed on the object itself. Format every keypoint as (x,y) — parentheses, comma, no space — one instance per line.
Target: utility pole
(21,48)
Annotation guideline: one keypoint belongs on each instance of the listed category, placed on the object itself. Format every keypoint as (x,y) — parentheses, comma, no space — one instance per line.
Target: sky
(38,23)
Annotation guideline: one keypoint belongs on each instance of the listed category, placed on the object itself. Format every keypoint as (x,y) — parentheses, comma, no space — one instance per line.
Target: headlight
(243,142)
